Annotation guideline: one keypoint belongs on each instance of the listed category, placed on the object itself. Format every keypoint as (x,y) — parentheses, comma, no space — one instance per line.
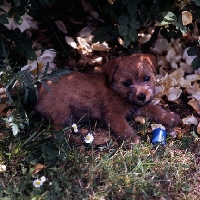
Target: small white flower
(40,64)
(43,179)
(88,138)
(74,126)
(37,183)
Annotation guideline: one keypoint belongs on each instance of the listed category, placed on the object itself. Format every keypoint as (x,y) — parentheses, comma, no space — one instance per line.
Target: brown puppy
(126,90)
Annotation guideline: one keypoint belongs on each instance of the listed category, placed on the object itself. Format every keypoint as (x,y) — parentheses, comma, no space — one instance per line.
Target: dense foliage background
(43,39)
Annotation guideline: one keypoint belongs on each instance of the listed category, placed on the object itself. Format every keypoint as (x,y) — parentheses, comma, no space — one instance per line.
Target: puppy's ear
(152,60)
(111,67)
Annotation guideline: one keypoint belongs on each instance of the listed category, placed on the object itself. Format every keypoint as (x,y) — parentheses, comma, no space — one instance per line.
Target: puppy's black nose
(141,97)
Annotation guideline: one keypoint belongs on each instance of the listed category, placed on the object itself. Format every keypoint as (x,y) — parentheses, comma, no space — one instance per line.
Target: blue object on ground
(159,136)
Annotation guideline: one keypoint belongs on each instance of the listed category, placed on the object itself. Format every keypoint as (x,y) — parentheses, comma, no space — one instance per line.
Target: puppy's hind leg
(59,119)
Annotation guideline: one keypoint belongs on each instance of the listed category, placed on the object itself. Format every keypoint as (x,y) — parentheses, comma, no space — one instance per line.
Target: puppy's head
(133,77)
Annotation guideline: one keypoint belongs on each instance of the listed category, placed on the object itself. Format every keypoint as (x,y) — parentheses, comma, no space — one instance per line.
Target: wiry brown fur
(106,96)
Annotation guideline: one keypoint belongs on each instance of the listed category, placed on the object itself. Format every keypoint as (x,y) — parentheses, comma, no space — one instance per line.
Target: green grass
(87,172)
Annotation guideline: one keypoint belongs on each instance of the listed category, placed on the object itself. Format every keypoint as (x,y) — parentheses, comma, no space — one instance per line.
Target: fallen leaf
(84,45)
(61,26)
(198,128)
(173,58)
(143,38)
(194,91)
(185,67)
(186,18)
(190,120)
(173,93)
(100,46)
(111,1)
(188,59)
(185,83)
(38,167)
(140,119)
(173,134)
(70,41)
(160,46)
(96,59)
(154,126)
(85,32)
(195,105)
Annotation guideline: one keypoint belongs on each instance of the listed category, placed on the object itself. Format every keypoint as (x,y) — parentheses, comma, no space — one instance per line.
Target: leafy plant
(128,16)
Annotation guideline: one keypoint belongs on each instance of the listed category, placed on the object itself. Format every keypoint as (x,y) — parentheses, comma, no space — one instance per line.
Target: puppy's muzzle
(141,97)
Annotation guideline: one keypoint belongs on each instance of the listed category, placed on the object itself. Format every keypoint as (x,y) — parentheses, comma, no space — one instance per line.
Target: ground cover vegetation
(44,39)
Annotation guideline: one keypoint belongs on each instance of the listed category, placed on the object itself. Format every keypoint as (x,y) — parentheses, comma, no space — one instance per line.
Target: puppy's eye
(147,78)
(126,83)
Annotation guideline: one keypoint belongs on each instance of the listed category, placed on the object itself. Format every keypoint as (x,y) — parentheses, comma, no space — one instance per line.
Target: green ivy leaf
(106,8)
(127,41)
(18,19)
(197,2)
(30,54)
(196,63)
(113,14)
(169,16)
(182,28)
(123,30)
(172,33)
(134,24)
(132,35)
(103,34)
(16,11)
(159,17)
(192,51)
(132,8)
(124,20)
(124,2)
(17,2)
(4,19)
(47,2)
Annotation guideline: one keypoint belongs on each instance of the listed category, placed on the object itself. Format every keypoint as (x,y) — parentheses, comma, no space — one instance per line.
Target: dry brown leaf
(85,32)
(195,105)
(155,126)
(38,167)
(111,1)
(61,26)
(173,93)
(198,129)
(160,46)
(100,138)
(190,120)
(140,119)
(70,41)
(194,91)
(100,46)
(188,59)
(186,18)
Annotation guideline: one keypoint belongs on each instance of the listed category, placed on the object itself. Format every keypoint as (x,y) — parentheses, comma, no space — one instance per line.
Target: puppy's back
(72,94)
